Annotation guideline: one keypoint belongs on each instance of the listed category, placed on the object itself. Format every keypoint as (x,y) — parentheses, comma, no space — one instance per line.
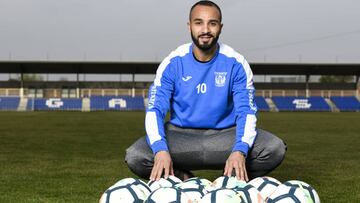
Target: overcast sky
(322,31)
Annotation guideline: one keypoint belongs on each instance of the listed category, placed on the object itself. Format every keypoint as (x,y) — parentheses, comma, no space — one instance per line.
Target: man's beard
(205,47)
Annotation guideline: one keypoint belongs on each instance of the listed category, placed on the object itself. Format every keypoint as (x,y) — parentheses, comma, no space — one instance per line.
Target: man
(209,90)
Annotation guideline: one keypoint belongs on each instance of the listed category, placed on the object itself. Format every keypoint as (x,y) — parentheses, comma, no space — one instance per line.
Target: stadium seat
(347,103)
(9,103)
(51,104)
(106,103)
(291,103)
(261,103)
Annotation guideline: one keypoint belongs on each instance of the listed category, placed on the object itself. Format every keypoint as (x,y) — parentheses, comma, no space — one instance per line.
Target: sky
(280,31)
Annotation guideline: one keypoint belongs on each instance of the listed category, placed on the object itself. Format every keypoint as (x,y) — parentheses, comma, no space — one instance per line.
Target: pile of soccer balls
(199,190)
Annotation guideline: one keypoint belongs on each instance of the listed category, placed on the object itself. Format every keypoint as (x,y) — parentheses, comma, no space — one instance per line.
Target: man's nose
(205,29)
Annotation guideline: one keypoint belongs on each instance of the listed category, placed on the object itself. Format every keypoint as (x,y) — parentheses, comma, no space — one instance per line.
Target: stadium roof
(150,68)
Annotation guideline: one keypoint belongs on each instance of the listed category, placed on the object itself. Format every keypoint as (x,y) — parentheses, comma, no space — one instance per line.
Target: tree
(28,77)
(336,78)
(63,79)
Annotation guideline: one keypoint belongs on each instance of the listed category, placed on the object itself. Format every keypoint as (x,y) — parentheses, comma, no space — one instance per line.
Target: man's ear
(188,25)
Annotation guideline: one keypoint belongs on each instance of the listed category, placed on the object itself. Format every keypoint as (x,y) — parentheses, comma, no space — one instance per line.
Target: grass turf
(75,156)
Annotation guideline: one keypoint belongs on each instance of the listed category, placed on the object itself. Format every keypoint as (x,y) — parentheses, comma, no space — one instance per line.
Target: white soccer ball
(265,185)
(289,194)
(222,195)
(123,194)
(201,181)
(162,182)
(249,194)
(137,182)
(168,195)
(305,187)
(125,181)
(194,191)
(228,182)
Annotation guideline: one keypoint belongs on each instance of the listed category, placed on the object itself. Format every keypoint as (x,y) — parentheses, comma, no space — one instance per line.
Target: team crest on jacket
(220,78)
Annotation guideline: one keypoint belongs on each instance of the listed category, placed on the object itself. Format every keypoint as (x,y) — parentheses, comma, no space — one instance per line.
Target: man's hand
(162,162)
(236,161)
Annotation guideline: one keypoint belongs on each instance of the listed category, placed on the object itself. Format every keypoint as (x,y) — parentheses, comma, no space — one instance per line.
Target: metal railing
(81,93)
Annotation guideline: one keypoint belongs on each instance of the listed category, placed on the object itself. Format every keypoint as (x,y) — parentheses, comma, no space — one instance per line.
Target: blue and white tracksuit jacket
(213,95)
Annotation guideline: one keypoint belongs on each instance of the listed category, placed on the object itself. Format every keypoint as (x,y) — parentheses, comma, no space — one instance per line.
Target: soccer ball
(250,194)
(123,194)
(228,182)
(222,195)
(137,182)
(201,181)
(162,182)
(194,191)
(289,194)
(125,181)
(305,187)
(265,185)
(166,195)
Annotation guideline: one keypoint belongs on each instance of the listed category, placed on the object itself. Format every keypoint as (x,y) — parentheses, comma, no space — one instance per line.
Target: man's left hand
(236,161)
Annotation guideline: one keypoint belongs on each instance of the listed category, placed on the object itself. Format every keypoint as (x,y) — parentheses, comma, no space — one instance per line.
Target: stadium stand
(291,103)
(346,103)
(39,104)
(9,103)
(105,103)
(99,99)
(261,103)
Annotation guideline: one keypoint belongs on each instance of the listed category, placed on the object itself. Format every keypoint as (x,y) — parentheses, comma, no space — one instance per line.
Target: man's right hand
(162,162)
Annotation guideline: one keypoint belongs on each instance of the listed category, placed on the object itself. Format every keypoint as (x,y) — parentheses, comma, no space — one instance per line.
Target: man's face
(205,26)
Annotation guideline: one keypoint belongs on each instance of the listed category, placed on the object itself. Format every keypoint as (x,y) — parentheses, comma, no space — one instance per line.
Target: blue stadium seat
(261,103)
(347,103)
(291,103)
(51,104)
(105,103)
(9,103)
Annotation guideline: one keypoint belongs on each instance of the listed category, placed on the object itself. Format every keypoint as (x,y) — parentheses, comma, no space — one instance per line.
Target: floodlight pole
(357,86)
(77,85)
(21,84)
(133,85)
(307,85)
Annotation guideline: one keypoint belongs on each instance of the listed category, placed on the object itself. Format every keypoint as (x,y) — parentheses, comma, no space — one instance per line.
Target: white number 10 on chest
(201,88)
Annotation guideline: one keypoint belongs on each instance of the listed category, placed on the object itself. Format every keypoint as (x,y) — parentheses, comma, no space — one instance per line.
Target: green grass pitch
(75,156)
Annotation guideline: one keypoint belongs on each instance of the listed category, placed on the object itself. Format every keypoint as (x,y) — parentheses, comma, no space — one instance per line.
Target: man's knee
(271,148)
(268,154)
(138,161)
(277,151)
(131,158)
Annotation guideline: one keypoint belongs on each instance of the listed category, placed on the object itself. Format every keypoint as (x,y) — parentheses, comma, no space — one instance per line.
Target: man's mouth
(205,38)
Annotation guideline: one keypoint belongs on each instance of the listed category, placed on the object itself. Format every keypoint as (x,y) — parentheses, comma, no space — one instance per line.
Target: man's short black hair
(205,3)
